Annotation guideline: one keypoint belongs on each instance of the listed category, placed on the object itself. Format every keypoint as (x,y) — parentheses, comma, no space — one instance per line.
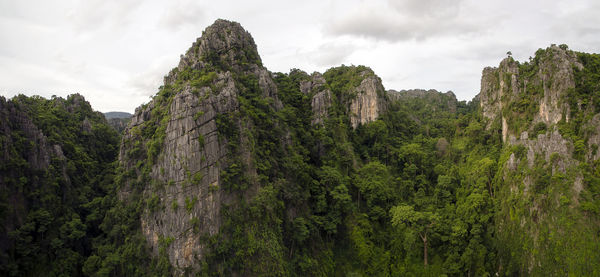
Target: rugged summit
(536,90)
(369,102)
(224,45)
(185,152)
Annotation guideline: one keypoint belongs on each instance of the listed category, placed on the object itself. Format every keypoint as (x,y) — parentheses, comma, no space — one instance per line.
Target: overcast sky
(115,53)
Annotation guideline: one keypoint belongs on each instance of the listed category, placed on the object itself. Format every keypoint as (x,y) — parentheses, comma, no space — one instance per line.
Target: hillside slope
(56,163)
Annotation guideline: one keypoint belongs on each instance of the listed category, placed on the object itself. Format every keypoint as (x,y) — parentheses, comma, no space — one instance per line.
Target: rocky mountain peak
(532,90)
(176,138)
(224,46)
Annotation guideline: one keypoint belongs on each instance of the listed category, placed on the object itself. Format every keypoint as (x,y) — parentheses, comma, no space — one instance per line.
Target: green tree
(421,222)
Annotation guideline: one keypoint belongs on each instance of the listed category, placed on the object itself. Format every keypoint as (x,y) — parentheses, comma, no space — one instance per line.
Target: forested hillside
(233,170)
(56,163)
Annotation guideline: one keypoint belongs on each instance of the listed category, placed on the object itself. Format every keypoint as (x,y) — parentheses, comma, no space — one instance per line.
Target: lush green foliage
(333,189)
(51,213)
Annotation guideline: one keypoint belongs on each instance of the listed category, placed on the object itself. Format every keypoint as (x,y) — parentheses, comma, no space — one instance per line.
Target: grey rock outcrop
(33,166)
(321,100)
(364,103)
(553,76)
(369,102)
(224,44)
(593,135)
(118,120)
(546,145)
(187,171)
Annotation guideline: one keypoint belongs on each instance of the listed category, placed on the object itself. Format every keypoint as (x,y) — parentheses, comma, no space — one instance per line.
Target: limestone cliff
(119,124)
(369,102)
(321,96)
(201,126)
(533,91)
(355,88)
(541,170)
(178,138)
(17,130)
(16,120)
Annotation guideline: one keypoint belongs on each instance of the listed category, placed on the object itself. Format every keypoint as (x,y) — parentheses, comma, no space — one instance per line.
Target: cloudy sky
(115,52)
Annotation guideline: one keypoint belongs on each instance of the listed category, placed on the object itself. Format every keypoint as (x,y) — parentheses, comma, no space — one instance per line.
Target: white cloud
(397,20)
(330,54)
(182,13)
(92,15)
(146,83)
(116,52)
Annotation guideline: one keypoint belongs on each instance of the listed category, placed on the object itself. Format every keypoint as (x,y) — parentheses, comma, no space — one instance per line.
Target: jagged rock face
(12,119)
(192,156)
(37,177)
(493,89)
(546,145)
(321,100)
(118,120)
(223,44)
(551,154)
(184,156)
(557,77)
(593,127)
(364,103)
(546,169)
(502,85)
(369,102)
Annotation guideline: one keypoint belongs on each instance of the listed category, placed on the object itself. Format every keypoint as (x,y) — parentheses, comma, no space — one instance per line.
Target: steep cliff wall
(238,170)
(358,91)
(119,124)
(369,102)
(24,148)
(535,91)
(321,96)
(544,173)
(174,141)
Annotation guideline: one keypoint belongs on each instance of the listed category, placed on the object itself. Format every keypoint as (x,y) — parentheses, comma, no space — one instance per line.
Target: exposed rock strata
(502,85)
(369,102)
(192,156)
(321,100)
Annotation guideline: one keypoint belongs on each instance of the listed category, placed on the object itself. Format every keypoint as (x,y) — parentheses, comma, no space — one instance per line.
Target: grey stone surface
(369,102)
(555,75)
(183,159)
